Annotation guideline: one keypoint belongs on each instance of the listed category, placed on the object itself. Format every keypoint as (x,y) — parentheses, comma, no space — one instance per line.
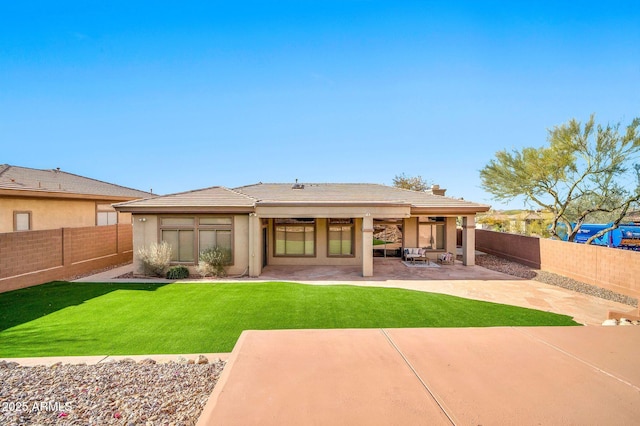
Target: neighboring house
(33,199)
(310,224)
(632,217)
(525,222)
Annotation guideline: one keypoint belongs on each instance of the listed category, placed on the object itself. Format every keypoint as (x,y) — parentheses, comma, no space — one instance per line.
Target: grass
(62,318)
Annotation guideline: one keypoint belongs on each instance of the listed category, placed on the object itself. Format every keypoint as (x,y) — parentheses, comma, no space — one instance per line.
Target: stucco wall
(146,231)
(52,213)
(610,268)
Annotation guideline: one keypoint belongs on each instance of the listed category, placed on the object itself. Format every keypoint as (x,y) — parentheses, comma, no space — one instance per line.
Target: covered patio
(384,269)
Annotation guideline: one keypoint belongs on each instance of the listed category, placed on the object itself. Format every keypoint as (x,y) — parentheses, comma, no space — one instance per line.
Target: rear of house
(329,224)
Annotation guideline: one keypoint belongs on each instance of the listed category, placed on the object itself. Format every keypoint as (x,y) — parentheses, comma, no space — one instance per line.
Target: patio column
(469,240)
(367,246)
(255,261)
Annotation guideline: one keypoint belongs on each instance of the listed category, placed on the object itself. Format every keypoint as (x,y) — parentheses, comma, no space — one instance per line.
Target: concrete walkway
(487,376)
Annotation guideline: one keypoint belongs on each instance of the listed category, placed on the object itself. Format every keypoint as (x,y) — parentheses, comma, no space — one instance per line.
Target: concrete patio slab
(314,377)
(618,353)
(505,376)
(572,375)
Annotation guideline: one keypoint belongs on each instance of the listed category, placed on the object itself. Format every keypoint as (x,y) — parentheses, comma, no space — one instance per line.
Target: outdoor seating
(415,253)
(446,258)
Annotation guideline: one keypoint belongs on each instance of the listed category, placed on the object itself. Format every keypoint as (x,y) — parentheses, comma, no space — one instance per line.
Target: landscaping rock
(118,393)
(182,360)
(505,266)
(610,322)
(148,361)
(202,359)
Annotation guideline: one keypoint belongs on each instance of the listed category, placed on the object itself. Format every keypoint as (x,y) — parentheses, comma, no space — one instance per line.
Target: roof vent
(297,185)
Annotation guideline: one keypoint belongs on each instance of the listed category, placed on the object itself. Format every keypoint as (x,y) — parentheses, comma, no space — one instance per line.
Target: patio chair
(446,258)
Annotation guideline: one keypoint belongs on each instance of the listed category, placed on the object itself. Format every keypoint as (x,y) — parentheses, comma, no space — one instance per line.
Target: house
(329,224)
(34,199)
(525,222)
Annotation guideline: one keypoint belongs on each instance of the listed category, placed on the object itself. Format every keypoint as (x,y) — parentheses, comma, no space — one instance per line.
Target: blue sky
(182,95)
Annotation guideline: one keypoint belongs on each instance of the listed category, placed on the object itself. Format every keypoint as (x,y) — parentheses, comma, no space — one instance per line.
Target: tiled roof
(55,180)
(216,196)
(351,193)
(284,194)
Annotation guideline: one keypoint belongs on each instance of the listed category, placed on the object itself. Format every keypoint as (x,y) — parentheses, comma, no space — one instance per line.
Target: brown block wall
(36,257)
(23,252)
(610,268)
(89,243)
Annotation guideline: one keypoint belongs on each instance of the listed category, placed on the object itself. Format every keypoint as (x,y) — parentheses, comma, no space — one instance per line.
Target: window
(431,233)
(340,237)
(214,231)
(106,215)
(188,236)
(21,221)
(295,237)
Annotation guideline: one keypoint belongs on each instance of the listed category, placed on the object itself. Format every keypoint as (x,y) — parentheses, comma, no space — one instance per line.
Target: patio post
(367,245)
(469,240)
(255,254)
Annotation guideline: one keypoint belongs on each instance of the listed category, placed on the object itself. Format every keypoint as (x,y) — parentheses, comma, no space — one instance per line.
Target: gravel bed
(116,393)
(518,270)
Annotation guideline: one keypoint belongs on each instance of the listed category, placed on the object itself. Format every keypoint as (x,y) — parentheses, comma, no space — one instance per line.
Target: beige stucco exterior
(250,229)
(255,209)
(146,231)
(53,213)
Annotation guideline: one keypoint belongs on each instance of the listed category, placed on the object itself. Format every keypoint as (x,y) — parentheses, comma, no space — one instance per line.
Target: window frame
(352,226)
(196,227)
(434,221)
(310,222)
(15,220)
(100,208)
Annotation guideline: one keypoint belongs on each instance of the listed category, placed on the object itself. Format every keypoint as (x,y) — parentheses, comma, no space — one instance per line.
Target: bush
(155,258)
(178,272)
(213,261)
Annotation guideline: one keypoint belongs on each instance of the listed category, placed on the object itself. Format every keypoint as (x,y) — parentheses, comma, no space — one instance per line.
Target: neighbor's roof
(56,181)
(280,194)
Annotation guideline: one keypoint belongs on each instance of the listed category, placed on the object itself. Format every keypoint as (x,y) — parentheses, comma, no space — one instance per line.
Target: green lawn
(62,318)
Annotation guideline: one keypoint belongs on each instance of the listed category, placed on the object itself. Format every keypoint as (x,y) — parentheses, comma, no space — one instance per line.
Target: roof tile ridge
(247,186)
(4,168)
(235,191)
(192,191)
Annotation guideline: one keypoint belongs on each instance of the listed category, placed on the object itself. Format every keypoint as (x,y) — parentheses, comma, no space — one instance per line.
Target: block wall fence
(610,268)
(35,257)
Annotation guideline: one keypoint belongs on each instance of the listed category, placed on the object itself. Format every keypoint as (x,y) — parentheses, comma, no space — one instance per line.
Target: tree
(414,183)
(584,173)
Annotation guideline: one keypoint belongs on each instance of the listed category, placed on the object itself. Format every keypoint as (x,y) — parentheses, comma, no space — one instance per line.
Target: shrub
(155,258)
(178,272)
(213,261)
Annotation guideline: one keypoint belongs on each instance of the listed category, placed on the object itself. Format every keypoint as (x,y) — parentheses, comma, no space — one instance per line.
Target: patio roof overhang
(447,211)
(333,210)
